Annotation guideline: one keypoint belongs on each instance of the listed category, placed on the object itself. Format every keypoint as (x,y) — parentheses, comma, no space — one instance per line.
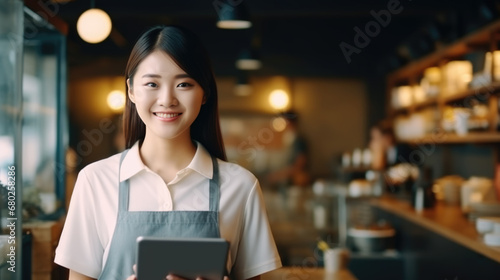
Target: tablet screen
(185,257)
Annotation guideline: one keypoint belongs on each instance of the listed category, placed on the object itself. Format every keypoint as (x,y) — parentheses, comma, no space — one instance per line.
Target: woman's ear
(130,93)
(204,99)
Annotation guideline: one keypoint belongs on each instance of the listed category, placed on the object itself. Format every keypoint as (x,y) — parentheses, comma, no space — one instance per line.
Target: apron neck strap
(214,188)
(123,191)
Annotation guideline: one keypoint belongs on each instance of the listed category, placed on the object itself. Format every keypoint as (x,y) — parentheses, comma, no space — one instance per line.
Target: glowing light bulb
(279,99)
(94,26)
(116,100)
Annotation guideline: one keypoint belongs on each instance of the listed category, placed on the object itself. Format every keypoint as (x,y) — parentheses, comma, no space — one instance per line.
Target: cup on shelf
(346,159)
(492,239)
(335,259)
(486,225)
(357,157)
(461,121)
(476,190)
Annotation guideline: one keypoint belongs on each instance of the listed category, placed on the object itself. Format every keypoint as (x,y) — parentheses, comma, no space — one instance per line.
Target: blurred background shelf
(451,138)
(446,220)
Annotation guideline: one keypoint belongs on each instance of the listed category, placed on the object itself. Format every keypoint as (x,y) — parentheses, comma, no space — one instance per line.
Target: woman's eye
(152,85)
(184,85)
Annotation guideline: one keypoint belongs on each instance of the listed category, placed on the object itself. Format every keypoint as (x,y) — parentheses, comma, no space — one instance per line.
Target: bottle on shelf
(422,194)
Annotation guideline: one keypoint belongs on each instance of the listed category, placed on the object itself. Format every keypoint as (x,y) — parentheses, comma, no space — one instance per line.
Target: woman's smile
(167,116)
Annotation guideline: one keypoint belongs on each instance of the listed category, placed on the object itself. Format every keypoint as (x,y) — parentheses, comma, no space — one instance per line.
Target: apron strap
(123,191)
(214,187)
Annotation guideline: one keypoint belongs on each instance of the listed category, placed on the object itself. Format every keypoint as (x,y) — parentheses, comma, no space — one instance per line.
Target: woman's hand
(169,277)
(132,277)
(173,277)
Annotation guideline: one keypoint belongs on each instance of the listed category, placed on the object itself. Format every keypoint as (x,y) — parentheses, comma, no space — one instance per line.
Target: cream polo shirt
(91,219)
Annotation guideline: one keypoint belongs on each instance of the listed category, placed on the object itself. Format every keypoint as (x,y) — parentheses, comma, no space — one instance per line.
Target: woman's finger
(173,277)
(133,277)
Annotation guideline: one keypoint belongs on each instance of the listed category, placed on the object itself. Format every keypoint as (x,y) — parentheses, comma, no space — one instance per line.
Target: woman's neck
(167,157)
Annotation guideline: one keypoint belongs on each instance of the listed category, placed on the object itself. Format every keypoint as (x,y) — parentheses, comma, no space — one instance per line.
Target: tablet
(185,257)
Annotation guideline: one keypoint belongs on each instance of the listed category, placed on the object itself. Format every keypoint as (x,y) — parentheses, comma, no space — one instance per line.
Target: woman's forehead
(160,63)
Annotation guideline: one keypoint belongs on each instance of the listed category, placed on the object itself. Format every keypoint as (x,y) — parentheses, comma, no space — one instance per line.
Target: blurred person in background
(295,172)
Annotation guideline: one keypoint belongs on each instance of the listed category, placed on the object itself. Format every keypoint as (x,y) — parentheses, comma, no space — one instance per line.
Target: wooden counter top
(445,220)
(316,273)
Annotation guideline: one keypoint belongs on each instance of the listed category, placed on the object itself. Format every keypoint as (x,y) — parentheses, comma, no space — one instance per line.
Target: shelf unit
(445,220)
(485,39)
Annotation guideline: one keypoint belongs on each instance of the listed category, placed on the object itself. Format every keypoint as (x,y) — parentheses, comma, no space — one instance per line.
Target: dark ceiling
(295,37)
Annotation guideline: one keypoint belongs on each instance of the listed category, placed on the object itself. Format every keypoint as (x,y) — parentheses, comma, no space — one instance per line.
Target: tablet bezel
(190,258)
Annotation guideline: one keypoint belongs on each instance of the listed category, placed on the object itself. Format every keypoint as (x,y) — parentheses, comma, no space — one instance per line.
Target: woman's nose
(167,97)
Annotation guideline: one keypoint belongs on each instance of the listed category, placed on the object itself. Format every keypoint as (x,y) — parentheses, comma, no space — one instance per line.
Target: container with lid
(486,225)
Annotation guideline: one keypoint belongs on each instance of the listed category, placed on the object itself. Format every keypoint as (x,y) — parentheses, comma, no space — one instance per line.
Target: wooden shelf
(427,103)
(486,90)
(452,51)
(445,220)
(449,138)
(306,272)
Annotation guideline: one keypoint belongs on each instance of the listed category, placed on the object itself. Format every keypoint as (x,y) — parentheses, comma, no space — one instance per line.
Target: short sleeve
(257,251)
(79,247)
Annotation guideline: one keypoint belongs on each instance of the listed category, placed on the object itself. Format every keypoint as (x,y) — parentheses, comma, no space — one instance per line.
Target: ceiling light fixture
(248,60)
(232,14)
(243,87)
(94,25)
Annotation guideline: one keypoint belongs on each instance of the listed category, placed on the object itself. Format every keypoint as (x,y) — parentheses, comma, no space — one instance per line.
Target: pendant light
(94,25)
(248,60)
(232,14)
(243,87)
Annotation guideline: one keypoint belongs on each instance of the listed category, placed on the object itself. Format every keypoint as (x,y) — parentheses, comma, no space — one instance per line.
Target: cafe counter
(439,241)
(445,220)
(304,273)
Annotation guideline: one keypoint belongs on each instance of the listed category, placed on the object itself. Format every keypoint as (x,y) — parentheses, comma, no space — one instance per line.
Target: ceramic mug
(335,259)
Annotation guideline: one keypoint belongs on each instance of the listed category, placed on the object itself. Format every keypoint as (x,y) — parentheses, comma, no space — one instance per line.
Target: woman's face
(167,99)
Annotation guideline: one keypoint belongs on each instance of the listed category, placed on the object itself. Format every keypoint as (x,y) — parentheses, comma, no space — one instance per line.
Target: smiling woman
(172,180)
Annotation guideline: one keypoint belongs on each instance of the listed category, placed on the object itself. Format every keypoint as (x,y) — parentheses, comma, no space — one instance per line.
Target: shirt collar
(132,163)
(202,162)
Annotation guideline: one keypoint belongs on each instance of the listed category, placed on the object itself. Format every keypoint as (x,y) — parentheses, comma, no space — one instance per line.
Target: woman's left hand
(133,277)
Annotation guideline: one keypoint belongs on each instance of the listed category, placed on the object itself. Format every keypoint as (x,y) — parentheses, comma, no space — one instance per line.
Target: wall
(333,117)
(332,112)
(93,125)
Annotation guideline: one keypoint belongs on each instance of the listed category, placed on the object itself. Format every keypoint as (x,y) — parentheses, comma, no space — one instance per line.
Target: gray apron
(132,224)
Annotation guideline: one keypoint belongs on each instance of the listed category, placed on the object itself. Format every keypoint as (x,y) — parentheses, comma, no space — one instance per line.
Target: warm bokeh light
(279,124)
(243,90)
(405,96)
(116,100)
(234,24)
(279,99)
(248,64)
(94,26)
(433,75)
